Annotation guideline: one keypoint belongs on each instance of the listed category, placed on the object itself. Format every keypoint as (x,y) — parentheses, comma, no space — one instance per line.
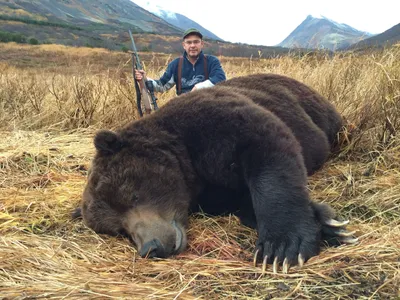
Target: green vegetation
(6,37)
(37,22)
(33,41)
(146,49)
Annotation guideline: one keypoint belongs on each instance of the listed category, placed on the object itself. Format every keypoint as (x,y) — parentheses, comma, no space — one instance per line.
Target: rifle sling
(137,88)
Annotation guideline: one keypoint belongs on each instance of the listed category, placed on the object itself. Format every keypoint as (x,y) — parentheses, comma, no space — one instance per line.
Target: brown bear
(313,119)
(320,110)
(146,177)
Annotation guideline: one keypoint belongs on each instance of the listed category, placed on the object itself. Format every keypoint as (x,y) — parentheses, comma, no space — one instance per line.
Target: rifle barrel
(139,65)
(146,85)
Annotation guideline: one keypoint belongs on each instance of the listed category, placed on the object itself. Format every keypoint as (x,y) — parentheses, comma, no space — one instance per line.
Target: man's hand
(139,74)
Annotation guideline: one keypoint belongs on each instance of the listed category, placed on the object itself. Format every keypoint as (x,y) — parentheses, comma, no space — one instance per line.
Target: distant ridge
(386,38)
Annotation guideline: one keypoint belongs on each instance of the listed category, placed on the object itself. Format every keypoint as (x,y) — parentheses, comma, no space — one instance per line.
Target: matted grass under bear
(44,171)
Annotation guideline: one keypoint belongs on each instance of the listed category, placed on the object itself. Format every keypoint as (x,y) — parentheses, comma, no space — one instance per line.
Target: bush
(6,37)
(33,41)
(146,49)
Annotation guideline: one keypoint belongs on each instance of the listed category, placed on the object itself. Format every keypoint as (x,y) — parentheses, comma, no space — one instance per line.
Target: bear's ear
(108,142)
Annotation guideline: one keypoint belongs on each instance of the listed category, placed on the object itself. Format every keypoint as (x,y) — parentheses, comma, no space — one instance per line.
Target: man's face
(193,44)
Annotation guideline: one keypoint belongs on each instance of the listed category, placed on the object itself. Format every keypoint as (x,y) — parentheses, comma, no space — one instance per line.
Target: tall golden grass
(54,98)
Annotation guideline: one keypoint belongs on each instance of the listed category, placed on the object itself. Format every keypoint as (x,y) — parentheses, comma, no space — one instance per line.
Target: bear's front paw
(294,247)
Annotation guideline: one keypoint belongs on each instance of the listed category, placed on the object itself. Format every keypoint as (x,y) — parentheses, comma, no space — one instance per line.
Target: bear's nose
(154,248)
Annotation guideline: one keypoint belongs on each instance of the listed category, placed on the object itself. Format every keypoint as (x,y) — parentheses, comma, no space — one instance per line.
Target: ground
(44,253)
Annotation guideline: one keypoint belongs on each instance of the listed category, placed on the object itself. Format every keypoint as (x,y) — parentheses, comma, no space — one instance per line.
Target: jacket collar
(201,55)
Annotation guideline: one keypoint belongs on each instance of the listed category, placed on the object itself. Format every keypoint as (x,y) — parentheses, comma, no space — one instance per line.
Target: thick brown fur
(281,96)
(147,176)
(319,109)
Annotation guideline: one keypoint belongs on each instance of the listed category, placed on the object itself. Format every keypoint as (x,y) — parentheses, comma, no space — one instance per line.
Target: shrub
(6,37)
(33,41)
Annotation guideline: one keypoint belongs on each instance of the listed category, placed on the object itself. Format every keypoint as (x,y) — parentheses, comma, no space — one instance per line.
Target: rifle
(144,88)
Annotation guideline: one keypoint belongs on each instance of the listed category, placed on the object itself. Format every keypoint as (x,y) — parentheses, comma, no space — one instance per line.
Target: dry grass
(49,113)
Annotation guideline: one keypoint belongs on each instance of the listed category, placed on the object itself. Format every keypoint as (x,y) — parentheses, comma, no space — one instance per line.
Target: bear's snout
(155,235)
(151,249)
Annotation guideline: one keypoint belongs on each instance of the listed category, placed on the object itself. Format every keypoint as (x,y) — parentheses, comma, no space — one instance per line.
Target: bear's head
(137,188)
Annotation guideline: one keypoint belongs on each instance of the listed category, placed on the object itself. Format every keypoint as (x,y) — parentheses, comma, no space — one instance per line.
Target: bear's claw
(335,223)
(300,260)
(345,233)
(285,266)
(264,265)
(255,258)
(333,229)
(275,265)
(347,240)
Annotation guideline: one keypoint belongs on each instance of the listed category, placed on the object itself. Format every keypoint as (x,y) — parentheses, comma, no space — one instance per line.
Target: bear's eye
(135,198)
(123,232)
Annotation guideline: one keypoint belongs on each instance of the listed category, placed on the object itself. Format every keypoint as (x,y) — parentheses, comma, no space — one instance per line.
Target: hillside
(80,22)
(386,38)
(111,14)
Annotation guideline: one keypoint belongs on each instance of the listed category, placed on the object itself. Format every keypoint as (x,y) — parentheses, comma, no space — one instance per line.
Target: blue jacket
(191,74)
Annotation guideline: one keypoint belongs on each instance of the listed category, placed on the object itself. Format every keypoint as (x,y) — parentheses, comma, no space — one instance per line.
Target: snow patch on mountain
(156,9)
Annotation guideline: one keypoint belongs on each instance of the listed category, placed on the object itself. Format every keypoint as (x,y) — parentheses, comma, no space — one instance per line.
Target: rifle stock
(144,88)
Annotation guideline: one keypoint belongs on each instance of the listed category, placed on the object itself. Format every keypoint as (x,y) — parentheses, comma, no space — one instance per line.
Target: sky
(268,23)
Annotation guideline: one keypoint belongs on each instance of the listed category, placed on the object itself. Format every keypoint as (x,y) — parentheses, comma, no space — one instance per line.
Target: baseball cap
(192,31)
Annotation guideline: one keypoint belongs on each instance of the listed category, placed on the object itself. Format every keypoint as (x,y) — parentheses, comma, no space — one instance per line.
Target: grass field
(54,98)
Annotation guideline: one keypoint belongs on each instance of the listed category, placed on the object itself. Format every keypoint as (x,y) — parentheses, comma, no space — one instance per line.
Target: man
(194,70)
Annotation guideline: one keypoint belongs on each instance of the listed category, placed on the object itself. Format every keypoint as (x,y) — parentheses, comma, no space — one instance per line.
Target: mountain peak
(320,32)
(156,9)
(175,19)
